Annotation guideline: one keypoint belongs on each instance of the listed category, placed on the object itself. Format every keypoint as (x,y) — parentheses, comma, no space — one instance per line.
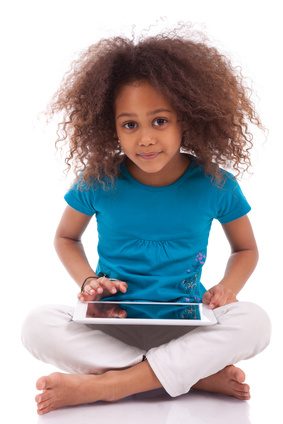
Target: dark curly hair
(207,92)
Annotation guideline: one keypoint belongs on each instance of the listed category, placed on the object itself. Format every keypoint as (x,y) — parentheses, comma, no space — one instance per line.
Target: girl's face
(150,134)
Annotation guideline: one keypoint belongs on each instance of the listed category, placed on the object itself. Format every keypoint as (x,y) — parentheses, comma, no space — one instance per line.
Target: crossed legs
(132,374)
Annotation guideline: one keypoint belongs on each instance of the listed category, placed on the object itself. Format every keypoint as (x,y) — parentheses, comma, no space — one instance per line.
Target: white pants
(179,356)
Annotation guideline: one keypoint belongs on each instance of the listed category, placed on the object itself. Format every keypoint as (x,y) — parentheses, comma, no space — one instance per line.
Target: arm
(240,266)
(69,247)
(71,252)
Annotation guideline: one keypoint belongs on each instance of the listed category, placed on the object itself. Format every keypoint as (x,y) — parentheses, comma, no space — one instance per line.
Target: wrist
(228,284)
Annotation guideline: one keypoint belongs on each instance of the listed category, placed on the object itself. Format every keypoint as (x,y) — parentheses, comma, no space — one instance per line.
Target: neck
(166,176)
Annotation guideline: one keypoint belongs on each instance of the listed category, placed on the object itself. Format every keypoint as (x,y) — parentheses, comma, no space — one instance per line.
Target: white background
(39,40)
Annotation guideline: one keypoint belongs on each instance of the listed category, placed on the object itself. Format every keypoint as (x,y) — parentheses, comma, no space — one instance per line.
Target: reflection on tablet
(141,311)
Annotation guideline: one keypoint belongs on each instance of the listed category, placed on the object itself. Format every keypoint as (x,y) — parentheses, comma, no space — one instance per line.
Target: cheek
(176,139)
(125,145)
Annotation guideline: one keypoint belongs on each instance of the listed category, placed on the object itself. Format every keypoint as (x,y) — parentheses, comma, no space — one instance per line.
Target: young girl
(148,125)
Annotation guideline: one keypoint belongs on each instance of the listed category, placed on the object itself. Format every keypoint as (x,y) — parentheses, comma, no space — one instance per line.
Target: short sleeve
(232,203)
(81,198)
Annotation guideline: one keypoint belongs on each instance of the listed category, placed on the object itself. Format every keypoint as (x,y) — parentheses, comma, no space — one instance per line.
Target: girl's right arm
(71,252)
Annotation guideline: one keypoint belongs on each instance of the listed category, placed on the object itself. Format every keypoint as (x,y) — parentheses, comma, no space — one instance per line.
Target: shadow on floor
(158,408)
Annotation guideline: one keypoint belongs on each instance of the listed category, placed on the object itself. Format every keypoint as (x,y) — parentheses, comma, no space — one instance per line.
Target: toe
(42,411)
(48,382)
(245,388)
(41,383)
(242,395)
(43,397)
(43,407)
(240,391)
(238,375)
(234,373)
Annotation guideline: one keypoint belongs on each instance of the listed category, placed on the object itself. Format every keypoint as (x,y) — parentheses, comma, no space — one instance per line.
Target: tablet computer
(143,313)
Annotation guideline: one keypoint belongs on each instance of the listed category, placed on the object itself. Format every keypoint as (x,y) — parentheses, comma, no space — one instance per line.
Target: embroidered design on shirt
(191,282)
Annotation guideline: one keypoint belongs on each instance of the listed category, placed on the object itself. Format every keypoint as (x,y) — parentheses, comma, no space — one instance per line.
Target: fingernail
(113,290)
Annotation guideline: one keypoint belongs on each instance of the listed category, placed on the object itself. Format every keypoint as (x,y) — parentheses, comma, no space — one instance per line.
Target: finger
(90,290)
(217,293)
(223,301)
(107,284)
(114,285)
(220,299)
(83,297)
(206,298)
(215,301)
(93,287)
(121,285)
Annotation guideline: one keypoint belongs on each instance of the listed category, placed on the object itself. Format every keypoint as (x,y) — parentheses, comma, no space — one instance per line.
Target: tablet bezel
(207,316)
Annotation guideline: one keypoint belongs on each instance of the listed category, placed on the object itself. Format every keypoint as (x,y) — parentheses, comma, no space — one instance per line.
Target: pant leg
(242,332)
(50,334)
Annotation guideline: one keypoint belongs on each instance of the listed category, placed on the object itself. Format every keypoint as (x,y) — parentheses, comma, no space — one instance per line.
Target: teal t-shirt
(155,238)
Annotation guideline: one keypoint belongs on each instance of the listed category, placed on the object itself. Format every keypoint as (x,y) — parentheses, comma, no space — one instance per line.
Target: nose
(147,139)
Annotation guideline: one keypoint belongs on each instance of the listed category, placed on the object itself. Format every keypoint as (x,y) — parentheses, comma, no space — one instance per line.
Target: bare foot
(60,390)
(228,381)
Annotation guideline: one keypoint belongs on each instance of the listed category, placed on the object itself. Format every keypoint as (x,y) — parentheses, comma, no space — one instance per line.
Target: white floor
(193,408)
(155,407)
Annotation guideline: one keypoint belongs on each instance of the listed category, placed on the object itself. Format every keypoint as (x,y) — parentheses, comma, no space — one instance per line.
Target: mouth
(149,156)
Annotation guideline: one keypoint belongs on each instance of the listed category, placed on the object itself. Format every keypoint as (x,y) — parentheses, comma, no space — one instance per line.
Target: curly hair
(207,92)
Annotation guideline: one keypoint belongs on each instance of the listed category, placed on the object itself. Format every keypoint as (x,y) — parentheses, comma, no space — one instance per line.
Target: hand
(219,295)
(99,288)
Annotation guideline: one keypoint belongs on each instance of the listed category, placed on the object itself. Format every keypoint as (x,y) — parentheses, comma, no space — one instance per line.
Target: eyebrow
(132,115)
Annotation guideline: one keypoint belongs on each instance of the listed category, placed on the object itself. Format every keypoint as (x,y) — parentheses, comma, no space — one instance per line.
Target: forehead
(140,95)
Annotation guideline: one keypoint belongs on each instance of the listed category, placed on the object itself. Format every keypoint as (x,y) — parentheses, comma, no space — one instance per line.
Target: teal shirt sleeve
(232,203)
(81,198)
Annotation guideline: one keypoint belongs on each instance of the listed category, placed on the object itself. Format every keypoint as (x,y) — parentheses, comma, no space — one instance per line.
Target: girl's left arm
(240,266)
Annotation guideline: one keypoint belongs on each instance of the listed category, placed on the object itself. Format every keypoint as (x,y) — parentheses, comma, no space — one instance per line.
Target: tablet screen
(143,311)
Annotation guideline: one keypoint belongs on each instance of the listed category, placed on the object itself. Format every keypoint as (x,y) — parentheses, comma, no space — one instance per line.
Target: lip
(149,156)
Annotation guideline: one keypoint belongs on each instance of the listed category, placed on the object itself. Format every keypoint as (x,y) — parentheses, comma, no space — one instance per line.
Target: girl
(148,126)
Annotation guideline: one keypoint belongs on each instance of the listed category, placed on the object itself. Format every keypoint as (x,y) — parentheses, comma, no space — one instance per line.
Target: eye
(158,122)
(130,125)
